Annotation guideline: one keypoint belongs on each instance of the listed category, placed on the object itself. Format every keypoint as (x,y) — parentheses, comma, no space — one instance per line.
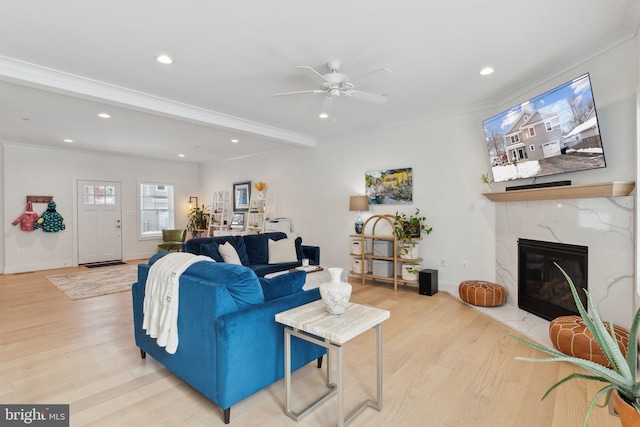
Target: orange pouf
(570,335)
(482,294)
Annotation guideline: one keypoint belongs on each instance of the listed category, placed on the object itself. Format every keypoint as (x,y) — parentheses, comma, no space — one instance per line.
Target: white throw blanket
(160,307)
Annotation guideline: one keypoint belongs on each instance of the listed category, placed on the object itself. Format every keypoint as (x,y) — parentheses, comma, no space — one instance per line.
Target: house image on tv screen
(532,130)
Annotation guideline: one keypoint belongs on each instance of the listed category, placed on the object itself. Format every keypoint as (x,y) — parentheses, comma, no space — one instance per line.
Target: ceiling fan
(334,84)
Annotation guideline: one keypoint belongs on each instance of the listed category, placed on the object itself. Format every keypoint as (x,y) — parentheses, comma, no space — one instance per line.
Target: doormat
(104,264)
(88,284)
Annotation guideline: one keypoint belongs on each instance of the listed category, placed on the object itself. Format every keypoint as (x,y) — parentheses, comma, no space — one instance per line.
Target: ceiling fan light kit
(334,84)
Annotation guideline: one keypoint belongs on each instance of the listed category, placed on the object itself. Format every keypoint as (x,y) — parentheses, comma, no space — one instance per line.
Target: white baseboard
(14,269)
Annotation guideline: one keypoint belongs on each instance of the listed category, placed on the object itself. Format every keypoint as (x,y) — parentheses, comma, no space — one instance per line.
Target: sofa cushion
(299,251)
(229,254)
(257,246)
(210,248)
(281,251)
(262,270)
(241,282)
(241,248)
(283,285)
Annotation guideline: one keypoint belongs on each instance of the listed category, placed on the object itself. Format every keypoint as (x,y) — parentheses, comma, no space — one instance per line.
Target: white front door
(99,221)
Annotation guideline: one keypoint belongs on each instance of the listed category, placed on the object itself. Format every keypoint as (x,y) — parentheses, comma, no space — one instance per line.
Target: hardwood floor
(445,364)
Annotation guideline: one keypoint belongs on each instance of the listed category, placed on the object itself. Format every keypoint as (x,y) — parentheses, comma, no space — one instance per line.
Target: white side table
(312,322)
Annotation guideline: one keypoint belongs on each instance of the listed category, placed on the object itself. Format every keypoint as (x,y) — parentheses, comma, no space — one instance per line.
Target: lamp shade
(359,203)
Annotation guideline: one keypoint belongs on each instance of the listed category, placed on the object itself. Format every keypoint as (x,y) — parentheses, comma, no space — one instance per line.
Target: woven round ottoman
(482,294)
(570,335)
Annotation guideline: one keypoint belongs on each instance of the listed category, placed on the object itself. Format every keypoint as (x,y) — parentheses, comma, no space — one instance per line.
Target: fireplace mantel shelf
(604,189)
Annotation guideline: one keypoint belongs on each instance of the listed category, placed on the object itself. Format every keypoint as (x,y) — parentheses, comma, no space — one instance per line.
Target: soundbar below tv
(540,185)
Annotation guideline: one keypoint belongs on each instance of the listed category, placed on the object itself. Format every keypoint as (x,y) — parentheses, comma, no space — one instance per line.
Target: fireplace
(542,288)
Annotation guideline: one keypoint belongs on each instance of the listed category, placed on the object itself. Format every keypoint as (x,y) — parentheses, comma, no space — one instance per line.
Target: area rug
(101,281)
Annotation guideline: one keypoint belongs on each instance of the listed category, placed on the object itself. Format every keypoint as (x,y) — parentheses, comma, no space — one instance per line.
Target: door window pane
(88,195)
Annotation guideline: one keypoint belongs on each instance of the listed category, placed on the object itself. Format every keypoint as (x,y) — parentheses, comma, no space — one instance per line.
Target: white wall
(43,171)
(312,186)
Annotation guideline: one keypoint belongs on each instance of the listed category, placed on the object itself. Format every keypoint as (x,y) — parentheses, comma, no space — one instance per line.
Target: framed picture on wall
(390,186)
(241,196)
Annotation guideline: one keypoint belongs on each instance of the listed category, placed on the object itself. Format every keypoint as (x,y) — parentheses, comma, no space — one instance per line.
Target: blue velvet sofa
(253,251)
(229,343)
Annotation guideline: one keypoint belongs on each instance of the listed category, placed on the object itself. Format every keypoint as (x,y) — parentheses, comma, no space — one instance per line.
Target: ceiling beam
(23,73)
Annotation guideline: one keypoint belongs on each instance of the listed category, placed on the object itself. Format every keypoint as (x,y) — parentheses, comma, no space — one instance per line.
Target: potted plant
(406,227)
(620,380)
(487,180)
(197,219)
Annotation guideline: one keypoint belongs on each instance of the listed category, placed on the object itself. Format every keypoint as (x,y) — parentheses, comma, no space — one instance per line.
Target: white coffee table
(311,322)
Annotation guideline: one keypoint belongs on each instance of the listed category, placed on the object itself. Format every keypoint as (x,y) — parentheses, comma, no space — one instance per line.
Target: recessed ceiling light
(68,140)
(323,115)
(235,141)
(486,71)
(104,116)
(180,155)
(164,59)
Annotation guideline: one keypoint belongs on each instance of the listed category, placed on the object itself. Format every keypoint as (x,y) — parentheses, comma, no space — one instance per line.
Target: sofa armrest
(201,302)
(313,253)
(250,347)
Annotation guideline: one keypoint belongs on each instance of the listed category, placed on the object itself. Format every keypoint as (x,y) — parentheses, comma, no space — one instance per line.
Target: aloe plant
(622,375)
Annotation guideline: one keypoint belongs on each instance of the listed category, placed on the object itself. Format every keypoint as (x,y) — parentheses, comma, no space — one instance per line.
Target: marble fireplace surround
(604,224)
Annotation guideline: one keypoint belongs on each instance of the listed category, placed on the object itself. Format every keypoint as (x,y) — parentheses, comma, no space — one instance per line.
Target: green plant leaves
(623,375)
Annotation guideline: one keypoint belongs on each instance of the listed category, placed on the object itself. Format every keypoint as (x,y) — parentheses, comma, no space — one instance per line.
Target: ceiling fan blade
(312,74)
(386,71)
(367,96)
(375,81)
(299,91)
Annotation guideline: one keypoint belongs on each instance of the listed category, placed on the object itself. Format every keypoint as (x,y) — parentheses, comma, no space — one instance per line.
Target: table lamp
(359,204)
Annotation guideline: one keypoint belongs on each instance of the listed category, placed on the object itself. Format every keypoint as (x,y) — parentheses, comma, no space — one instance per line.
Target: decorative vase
(335,294)
(629,416)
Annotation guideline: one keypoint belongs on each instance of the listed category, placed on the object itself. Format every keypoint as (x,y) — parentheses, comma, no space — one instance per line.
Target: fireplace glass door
(542,289)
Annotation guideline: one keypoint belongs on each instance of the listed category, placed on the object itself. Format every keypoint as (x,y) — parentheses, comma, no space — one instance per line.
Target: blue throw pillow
(211,250)
(241,249)
(257,246)
(299,250)
(283,285)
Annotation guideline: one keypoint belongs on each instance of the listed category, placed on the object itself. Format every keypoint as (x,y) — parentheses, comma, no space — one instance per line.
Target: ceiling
(62,63)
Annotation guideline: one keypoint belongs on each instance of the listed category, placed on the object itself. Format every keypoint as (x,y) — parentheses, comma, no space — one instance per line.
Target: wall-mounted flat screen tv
(555,132)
